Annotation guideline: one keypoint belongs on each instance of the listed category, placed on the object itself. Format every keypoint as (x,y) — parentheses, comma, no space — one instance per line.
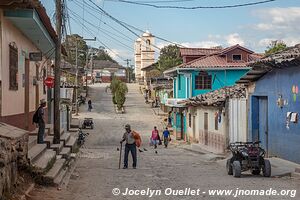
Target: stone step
(54,172)
(32,140)
(65,137)
(36,151)
(72,143)
(49,141)
(34,132)
(65,152)
(296,175)
(45,161)
(60,177)
(57,147)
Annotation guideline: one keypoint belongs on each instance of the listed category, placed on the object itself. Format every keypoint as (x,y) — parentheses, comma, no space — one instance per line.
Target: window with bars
(203,82)
(13,67)
(190,120)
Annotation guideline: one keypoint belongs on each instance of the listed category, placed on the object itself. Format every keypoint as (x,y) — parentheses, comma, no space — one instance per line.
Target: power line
(170,1)
(122,35)
(119,22)
(99,40)
(131,26)
(194,7)
(125,45)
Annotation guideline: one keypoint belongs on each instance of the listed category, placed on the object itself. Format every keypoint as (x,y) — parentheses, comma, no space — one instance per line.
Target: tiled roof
(288,54)
(198,51)
(216,97)
(213,61)
(226,50)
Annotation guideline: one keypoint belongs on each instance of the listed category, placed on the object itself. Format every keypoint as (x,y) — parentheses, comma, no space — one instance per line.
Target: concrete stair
(56,174)
(45,161)
(65,152)
(36,152)
(65,137)
(49,160)
(57,147)
(72,143)
(49,141)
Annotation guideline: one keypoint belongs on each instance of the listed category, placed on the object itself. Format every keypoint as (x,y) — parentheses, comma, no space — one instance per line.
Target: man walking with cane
(129,146)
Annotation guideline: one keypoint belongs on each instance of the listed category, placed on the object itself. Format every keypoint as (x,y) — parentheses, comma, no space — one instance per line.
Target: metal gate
(237,120)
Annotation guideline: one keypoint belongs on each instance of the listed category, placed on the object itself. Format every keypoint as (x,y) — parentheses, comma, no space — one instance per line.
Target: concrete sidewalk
(280,167)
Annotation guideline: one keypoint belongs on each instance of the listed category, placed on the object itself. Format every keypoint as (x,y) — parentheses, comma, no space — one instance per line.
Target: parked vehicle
(81,137)
(247,156)
(88,122)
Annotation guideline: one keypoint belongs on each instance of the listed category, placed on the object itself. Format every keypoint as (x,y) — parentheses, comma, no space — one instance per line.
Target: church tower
(144,54)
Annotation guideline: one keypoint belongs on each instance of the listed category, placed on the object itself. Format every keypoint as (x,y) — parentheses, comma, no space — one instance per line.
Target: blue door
(263,122)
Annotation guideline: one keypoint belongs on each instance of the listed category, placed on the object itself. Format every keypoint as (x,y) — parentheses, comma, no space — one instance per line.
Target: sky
(253,27)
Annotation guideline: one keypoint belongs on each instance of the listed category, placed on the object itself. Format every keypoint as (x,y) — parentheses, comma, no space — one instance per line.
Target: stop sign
(49,82)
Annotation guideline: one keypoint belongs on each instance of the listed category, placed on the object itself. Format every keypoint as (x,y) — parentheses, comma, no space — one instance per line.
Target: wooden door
(206,128)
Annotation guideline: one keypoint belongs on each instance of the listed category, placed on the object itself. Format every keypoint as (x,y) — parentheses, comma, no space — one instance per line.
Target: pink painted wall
(13,102)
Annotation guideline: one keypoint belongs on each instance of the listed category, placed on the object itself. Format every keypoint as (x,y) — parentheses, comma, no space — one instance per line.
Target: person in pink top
(155,137)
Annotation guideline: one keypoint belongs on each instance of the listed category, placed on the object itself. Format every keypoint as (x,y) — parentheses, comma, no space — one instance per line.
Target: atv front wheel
(267,168)
(236,168)
(229,167)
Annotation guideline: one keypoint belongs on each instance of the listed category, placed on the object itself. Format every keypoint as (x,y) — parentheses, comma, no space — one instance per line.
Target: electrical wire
(120,23)
(195,7)
(116,54)
(108,34)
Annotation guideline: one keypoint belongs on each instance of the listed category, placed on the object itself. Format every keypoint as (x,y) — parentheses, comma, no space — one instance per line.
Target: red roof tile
(218,60)
(213,61)
(198,51)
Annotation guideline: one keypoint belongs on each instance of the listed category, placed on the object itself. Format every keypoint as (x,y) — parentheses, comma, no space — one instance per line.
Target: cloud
(283,22)
(233,39)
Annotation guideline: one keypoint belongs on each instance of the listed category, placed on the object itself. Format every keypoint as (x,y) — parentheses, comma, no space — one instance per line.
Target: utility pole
(76,79)
(56,138)
(87,59)
(128,72)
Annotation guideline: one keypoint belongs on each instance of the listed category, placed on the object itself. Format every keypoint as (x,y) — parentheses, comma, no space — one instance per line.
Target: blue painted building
(275,104)
(211,70)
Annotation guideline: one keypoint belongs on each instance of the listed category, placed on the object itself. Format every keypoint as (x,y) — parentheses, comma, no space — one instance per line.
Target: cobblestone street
(96,171)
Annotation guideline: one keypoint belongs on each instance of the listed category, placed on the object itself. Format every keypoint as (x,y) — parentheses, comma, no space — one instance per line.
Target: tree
(70,46)
(101,54)
(275,46)
(120,95)
(169,57)
(119,90)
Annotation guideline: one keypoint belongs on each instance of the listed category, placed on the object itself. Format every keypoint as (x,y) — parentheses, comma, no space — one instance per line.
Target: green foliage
(169,57)
(275,46)
(101,54)
(114,85)
(70,46)
(119,90)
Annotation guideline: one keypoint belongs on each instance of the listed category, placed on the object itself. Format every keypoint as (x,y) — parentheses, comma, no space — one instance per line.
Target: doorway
(260,120)
(27,92)
(206,128)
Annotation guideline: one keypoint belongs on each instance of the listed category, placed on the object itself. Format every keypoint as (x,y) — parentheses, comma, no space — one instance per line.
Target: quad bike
(247,156)
(88,122)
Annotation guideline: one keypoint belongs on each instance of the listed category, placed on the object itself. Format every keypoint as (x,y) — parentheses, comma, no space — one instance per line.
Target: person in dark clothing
(90,105)
(41,121)
(129,146)
(166,135)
